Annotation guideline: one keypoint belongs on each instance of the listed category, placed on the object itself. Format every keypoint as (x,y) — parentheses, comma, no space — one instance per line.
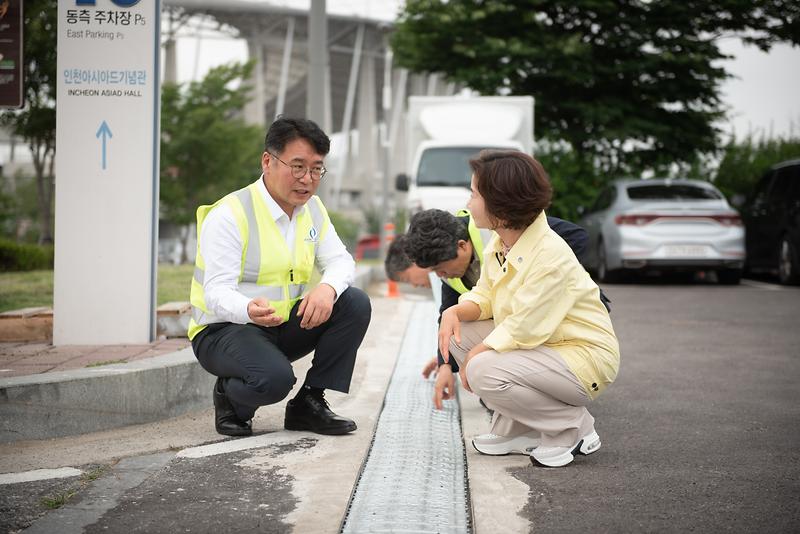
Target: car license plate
(685,251)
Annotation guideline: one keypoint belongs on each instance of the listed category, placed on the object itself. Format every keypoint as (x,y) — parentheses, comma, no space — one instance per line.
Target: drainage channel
(414,477)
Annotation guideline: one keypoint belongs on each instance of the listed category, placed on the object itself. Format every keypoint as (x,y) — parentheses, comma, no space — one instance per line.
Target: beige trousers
(529,390)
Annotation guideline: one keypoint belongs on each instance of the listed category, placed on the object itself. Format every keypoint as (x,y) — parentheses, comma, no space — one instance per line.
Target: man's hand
(450,326)
(444,388)
(316,307)
(262,312)
(430,367)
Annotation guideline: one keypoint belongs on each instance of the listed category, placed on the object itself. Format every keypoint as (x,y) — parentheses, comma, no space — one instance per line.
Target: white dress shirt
(221,248)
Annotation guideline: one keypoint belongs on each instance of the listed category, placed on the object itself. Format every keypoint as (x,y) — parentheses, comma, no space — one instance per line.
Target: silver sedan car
(663,224)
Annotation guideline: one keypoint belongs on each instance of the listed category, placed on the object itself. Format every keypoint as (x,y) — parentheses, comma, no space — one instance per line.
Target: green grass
(174,282)
(93,474)
(105,362)
(26,289)
(35,288)
(58,500)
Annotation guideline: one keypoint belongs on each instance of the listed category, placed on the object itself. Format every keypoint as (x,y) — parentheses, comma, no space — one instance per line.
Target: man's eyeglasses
(298,170)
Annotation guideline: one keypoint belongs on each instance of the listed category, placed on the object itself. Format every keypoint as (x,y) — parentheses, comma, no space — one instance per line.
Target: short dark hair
(284,130)
(397,260)
(514,186)
(433,237)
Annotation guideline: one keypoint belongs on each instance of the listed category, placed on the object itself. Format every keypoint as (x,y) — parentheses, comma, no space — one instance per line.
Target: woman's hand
(450,326)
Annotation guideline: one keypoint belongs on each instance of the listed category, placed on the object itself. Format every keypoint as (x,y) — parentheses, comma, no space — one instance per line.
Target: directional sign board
(11,53)
(106,171)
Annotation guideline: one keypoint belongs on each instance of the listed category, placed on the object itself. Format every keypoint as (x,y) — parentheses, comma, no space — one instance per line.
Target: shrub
(373,219)
(744,162)
(575,182)
(24,257)
(346,229)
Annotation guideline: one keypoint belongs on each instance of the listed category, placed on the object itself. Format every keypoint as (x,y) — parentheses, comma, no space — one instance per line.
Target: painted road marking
(39,474)
(762,285)
(243,444)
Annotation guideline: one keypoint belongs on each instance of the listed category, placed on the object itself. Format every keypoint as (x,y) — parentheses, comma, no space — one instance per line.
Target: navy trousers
(255,362)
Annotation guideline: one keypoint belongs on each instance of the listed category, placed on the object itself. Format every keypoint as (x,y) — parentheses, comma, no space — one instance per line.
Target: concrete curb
(66,403)
(85,400)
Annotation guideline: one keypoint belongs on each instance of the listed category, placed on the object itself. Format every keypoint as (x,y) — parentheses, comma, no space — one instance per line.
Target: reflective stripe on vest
(478,236)
(268,270)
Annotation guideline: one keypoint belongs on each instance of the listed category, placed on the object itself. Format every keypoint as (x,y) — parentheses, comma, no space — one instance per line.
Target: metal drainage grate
(414,477)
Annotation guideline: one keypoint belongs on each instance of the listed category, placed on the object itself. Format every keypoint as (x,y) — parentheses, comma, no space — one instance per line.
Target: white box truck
(444,132)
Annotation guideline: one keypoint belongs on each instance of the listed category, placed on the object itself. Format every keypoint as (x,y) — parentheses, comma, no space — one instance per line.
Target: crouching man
(257,248)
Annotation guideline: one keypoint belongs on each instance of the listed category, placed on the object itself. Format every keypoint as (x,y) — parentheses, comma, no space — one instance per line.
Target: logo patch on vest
(313,235)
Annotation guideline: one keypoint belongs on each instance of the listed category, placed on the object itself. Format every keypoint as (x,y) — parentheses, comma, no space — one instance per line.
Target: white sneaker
(495,445)
(561,456)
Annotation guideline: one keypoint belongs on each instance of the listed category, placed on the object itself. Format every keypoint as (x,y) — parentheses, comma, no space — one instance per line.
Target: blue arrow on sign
(104,131)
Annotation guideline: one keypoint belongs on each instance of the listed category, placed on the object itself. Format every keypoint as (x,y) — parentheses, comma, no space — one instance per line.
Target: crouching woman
(532,338)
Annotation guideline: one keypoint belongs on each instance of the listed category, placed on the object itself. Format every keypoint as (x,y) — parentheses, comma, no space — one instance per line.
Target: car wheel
(788,268)
(729,277)
(603,273)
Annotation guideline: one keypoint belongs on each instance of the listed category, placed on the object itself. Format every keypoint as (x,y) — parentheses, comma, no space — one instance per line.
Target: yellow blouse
(541,295)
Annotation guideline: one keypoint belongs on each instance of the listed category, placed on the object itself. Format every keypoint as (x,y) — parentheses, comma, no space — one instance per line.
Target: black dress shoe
(225,419)
(311,412)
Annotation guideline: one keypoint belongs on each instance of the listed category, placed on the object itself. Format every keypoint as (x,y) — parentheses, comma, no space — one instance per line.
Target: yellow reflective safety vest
(268,270)
(477,236)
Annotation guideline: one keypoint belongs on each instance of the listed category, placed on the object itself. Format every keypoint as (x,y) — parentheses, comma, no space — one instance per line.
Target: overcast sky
(764,96)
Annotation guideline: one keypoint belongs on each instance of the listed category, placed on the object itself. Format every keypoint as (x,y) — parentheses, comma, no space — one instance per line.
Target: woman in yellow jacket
(532,338)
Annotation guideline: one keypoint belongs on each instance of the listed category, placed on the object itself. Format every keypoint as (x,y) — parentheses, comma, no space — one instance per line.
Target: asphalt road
(700,431)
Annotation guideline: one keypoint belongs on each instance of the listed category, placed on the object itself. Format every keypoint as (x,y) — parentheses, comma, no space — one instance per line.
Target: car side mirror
(401,182)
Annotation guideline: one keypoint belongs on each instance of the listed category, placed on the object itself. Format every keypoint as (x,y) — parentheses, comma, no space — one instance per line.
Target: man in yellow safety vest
(253,310)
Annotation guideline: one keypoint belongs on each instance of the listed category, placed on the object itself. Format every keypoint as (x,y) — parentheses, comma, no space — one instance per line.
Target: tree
(573,183)
(629,84)
(19,208)
(36,122)
(206,148)
(744,162)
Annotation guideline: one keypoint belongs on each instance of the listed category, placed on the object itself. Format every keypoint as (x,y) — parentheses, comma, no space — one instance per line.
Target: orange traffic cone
(392,290)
